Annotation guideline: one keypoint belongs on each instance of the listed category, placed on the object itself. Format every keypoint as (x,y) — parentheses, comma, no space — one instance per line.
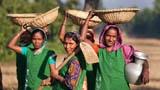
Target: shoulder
(96,47)
(50,52)
(74,58)
(128,52)
(127,47)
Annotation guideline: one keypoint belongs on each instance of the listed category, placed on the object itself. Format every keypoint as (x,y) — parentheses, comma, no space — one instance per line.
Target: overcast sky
(128,3)
(124,3)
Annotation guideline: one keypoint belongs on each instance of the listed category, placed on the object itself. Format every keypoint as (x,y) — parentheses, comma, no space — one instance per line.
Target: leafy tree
(145,23)
(8,29)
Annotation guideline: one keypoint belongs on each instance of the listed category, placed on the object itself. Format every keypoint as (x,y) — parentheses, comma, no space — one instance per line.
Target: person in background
(110,74)
(25,40)
(91,72)
(39,60)
(1,85)
(90,35)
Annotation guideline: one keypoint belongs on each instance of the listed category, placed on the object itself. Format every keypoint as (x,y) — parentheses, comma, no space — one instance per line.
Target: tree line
(144,24)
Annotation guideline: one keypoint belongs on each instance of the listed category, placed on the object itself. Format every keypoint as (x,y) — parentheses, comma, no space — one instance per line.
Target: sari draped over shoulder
(74,73)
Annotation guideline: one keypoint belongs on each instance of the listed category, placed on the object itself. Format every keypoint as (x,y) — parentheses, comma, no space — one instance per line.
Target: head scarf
(43,45)
(118,42)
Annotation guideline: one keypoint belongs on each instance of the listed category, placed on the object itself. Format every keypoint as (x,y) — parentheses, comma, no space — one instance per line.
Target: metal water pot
(133,70)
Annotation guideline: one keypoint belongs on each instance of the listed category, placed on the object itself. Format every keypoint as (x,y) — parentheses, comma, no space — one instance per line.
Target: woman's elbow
(54,75)
(9,46)
(61,39)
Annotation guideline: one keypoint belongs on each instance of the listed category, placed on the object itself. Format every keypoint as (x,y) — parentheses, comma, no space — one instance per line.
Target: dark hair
(40,31)
(25,38)
(91,38)
(73,35)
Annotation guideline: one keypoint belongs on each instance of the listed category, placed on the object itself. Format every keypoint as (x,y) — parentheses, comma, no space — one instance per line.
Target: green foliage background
(8,29)
(144,24)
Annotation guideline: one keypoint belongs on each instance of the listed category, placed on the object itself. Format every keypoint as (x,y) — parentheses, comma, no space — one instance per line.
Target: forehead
(112,31)
(67,40)
(38,34)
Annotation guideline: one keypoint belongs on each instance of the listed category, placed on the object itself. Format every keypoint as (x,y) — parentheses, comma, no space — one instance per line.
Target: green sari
(110,73)
(37,69)
(21,68)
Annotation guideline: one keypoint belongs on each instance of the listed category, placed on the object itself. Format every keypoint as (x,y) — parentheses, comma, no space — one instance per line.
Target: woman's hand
(145,73)
(66,13)
(145,76)
(22,29)
(91,14)
(45,83)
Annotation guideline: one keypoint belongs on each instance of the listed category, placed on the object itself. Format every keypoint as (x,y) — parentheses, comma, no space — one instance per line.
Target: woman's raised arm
(63,27)
(84,29)
(12,44)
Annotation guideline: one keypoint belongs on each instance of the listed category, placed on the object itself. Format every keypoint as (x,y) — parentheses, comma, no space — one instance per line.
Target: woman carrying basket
(111,67)
(39,59)
(74,72)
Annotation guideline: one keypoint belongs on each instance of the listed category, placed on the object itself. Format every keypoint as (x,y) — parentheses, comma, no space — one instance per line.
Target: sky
(128,3)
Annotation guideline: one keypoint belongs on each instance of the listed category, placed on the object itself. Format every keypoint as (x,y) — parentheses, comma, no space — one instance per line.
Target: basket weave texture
(79,17)
(116,16)
(20,19)
(45,19)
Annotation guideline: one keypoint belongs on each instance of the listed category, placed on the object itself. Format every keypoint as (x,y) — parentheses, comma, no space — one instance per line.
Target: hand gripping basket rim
(45,19)
(78,17)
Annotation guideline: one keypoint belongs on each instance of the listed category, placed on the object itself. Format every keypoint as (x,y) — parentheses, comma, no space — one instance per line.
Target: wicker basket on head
(20,19)
(79,17)
(45,19)
(116,16)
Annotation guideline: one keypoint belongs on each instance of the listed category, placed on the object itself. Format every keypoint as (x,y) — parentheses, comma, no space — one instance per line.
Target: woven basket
(116,16)
(45,19)
(79,17)
(20,19)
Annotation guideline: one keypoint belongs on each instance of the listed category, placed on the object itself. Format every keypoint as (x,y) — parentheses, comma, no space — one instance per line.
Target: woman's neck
(109,49)
(35,49)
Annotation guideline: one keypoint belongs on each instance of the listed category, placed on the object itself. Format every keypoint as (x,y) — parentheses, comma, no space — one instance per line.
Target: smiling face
(110,37)
(37,40)
(69,45)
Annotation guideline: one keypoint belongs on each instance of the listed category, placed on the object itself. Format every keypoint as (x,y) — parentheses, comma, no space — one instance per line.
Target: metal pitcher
(133,70)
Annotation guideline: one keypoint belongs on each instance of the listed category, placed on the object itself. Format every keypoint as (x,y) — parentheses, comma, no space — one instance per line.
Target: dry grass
(149,46)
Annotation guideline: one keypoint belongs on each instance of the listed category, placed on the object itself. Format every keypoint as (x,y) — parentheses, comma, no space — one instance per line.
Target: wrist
(145,70)
(21,32)
(62,79)
(63,24)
